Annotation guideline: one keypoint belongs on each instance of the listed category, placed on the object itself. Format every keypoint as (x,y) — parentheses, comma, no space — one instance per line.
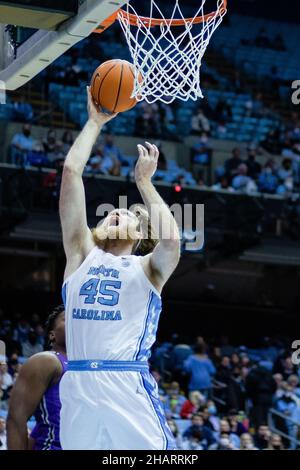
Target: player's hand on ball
(146,165)
(95,113)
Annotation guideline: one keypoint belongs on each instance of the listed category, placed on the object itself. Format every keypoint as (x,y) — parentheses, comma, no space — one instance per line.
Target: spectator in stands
(262,437)
(286,188)
(31,346)
(236,393)
(260,388)
(262,39)
(209,415)
(194,441)
(192,405)
(232,436)
(223,184)
(53,148)
(267,180)
(247,442)
(223,112)
(236,426)
(50,142)
(275,443)
(174,388)
(242,182)
(224,370)
(254,168)
(6,383)
(293,382)
(3,445)
(173,405)
(271,143)
(235,360)
(206,437)
(174,400)
(284,366)
(285,171)
(201,370)
(200,180)
(22,111)
(224,443)
(37,156)
(221,130)
(7,335)
(111,150)
(289,405)
(232,164)
(20,145)
(99,163)
(200,123)
(201,152)
(21,331)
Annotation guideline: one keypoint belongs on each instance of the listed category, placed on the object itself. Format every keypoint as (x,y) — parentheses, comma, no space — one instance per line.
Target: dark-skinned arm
(35,376)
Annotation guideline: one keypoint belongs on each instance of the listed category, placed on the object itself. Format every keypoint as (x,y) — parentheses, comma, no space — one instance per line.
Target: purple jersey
(47,415)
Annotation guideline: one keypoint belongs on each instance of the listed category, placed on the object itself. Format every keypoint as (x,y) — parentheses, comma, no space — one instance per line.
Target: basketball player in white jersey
(112,303)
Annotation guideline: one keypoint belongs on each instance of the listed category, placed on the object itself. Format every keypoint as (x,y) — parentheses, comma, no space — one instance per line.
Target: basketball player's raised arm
(72,205)
(166,254)
(35,377)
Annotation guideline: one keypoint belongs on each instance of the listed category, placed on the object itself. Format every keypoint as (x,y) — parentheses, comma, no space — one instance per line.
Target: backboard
(19,64)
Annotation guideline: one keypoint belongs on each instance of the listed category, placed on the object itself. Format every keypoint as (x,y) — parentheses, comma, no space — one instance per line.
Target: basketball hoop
(167,57)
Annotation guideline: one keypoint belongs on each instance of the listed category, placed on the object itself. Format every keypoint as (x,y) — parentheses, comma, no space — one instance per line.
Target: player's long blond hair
(144,245)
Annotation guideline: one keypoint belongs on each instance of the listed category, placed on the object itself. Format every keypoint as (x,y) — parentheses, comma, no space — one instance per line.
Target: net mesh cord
(169,57)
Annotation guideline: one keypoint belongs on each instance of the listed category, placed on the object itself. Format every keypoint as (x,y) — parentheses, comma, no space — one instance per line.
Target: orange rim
(135,20)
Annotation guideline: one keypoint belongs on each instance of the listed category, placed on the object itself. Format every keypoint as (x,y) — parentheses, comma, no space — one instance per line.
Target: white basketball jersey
(112,309)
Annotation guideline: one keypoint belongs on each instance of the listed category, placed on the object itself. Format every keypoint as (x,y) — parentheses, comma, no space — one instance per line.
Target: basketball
(112,85)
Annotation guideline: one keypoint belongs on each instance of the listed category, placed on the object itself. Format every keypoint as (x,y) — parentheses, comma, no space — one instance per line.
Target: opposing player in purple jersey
(36,392)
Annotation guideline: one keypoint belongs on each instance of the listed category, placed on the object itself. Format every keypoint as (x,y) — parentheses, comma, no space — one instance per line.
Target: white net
(168,57)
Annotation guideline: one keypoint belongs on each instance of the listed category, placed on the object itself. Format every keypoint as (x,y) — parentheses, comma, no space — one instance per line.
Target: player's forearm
(17,434)
(81,150)
(162,220)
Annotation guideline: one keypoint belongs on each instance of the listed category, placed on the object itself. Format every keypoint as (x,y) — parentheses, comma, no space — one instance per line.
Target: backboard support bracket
(44,47)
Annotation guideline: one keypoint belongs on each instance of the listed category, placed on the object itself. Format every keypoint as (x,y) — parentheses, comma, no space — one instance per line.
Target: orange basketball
(112,85)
